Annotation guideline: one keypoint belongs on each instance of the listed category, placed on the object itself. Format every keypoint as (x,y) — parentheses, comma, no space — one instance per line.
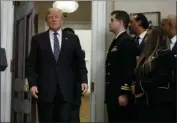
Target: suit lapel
(116,41)
(174,49)
(63,42)
(143,41)
(63,45)
(48,44)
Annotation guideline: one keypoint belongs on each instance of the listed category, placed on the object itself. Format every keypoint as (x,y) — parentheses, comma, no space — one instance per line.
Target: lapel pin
(66,38)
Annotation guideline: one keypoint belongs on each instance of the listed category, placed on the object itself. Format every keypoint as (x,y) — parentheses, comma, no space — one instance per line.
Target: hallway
(85,109)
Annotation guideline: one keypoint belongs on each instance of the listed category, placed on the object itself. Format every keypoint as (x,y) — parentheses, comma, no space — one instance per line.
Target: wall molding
(98,57)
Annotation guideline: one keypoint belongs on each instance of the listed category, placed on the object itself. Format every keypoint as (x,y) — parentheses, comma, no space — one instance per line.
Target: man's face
(166,27)
(133,25)
(54,20)
(114,24)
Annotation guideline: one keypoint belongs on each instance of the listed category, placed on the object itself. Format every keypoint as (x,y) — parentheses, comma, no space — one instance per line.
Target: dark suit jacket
(48,75)
(140,47)
(157,84)
(78,91)
(79,78)
(174,49)
(120,63)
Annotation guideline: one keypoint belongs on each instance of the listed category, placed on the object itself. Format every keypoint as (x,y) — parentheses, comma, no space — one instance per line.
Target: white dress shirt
(59,36)
(173,41)
(141,37)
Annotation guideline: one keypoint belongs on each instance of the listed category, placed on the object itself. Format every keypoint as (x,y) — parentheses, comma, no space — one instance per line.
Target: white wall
(133,6)
(7,13)
(85,40)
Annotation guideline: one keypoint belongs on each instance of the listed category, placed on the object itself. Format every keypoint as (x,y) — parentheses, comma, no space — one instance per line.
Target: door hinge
(92,86)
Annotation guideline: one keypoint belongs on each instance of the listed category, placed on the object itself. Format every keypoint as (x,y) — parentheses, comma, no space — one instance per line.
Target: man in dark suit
(139,27)
(50,70)
(169,26)
(77,99)
(120,63)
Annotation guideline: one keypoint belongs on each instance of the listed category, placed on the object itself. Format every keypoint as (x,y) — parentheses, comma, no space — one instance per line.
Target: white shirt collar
(173,40)
(59,32)
(142,35)
(120,34)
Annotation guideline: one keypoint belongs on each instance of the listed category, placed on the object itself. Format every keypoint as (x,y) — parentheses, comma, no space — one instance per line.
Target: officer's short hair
(122,15)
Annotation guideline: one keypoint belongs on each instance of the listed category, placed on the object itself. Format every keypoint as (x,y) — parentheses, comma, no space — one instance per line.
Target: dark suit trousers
(56,111)
(155,113)
(117,113)
(75,117)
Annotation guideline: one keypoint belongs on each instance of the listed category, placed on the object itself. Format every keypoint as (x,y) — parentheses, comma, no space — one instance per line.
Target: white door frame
(100,15)
(7,17)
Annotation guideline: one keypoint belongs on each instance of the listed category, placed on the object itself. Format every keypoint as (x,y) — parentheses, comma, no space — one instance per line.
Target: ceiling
(82,14)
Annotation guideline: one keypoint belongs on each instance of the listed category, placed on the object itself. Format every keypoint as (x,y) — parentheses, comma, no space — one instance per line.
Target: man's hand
(34,91)
(123,100)
(84,88)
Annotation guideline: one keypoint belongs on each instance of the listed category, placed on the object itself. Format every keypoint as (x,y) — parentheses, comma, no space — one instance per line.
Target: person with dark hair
(120,63)
(139,26)
(70,30)
(153,72)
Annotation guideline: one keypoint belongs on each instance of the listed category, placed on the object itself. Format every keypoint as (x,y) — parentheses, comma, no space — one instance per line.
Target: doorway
(21,101)
(80,22)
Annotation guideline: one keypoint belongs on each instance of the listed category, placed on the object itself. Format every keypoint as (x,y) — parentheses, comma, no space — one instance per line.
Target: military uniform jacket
(120,63)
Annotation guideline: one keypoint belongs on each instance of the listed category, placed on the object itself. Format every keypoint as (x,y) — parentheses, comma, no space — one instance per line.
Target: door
(23,30)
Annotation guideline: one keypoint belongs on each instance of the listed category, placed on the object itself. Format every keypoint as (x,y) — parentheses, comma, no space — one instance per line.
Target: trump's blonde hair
(53,9)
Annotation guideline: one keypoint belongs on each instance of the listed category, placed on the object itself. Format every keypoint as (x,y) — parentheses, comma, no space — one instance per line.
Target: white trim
(98,59)
(7,18)
(168,86)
